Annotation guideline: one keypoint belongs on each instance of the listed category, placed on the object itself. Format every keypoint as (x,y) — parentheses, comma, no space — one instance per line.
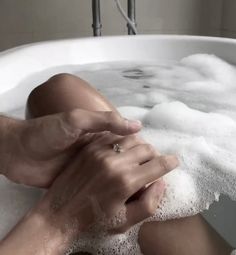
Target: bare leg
(64,92)
(189,236)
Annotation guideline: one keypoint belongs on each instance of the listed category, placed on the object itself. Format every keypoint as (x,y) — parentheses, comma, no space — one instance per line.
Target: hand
(87,189)
(101,181)
(34,152)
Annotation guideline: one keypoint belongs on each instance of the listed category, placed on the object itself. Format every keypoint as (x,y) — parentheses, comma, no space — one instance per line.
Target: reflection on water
(136,74)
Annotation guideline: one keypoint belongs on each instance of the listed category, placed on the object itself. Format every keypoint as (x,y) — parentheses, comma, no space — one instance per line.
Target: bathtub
(22,68)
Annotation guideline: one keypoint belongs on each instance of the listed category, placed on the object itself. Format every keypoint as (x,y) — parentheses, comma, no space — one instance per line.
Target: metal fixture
(132,15)
(97,25)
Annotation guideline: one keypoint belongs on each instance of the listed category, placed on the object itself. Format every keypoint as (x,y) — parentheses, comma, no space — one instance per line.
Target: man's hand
(33,152)
(93,192)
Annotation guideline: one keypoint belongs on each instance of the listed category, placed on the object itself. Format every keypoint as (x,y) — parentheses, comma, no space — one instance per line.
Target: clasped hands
(71,154)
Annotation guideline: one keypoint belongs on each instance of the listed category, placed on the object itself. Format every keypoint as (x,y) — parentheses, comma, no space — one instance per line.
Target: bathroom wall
(24,21)
(229,19)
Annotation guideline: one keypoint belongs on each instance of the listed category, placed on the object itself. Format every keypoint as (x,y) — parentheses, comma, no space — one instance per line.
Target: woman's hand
(95,185)
(33,152)
(100,182)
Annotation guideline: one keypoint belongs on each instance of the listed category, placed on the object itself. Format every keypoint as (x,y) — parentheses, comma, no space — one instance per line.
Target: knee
(47,90)
(62,78)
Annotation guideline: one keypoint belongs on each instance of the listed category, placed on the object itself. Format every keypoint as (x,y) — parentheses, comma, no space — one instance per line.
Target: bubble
(184,119)
(188,108)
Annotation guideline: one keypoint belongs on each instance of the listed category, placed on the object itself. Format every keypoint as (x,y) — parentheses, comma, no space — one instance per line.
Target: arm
(71,204)
(29,234)
(33,235)
(45,230)
(177,233)
(7,133)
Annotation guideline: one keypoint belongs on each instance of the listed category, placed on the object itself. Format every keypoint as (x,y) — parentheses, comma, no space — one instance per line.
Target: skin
(57,147)
(34,152)
(170,237)
(191,235)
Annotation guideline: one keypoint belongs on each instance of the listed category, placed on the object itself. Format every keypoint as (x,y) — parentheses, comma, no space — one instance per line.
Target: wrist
(35,235)
(59,232)
(62,219)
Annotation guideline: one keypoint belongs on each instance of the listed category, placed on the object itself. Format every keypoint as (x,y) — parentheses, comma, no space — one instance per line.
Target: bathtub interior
(23,68)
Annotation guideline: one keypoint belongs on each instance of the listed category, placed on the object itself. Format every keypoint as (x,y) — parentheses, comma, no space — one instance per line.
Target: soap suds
(187,111)
(188,108)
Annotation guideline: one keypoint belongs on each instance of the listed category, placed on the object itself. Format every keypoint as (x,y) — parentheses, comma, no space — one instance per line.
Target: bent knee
(57,81)
(62,78)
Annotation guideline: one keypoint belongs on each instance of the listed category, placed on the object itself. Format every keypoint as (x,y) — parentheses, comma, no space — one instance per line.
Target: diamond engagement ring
(117,148)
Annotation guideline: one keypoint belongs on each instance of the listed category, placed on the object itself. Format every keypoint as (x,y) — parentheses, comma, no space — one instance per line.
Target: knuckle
(136,139)
(163,162)
(149,149)
(71,117)
(149,207)
(112,117)
(108,163)
(166,163)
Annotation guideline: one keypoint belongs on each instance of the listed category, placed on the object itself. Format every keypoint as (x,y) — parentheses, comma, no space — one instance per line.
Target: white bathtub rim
(18,63)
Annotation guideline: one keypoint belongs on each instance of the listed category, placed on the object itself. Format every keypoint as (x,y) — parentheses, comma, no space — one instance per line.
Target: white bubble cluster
(188,108)
(100,240)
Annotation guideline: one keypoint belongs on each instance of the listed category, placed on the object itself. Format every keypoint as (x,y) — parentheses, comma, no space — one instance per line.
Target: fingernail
(135,123)
(170,162)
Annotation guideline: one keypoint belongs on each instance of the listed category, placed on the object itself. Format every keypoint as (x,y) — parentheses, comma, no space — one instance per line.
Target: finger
(130,141)
(154,169)
(49,135)
(89,139)
(92,121)
(107,139)
(144,207)
(138,154)
(125,142)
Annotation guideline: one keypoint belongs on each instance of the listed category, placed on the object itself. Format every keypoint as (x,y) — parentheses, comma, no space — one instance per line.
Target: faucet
(96,10)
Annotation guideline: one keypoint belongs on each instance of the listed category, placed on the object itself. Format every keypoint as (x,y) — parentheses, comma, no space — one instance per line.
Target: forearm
(6,129)
(33,235)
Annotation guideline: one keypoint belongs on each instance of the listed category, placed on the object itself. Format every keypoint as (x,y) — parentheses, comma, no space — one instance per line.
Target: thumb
(53,133)
(97,121)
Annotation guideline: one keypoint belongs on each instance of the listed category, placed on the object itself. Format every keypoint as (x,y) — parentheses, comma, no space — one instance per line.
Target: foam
(187,108)
(177,116)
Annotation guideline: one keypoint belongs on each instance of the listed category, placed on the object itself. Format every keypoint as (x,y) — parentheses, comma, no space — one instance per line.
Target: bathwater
(187,108)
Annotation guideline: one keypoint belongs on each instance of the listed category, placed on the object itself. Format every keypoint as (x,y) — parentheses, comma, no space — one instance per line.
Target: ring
(117,148)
